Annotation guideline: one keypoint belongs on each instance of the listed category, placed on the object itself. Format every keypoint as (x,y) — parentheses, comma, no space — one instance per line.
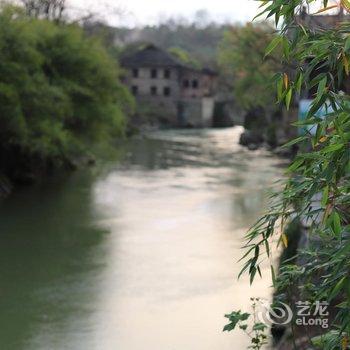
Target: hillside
(201,41)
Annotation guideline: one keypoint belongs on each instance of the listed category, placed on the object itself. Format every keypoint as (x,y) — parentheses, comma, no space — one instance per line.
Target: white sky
(140,12)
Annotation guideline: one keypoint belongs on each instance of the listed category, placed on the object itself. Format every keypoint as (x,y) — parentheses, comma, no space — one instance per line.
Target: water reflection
(50,261)
(140,256)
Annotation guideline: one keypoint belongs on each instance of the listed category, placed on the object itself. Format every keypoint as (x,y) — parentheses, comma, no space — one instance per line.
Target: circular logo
(278,313)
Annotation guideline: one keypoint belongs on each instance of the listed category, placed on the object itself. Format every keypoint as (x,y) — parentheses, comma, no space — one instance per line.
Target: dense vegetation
(317,191)
(248,75)
(59,91)
(243,64)
(185,57)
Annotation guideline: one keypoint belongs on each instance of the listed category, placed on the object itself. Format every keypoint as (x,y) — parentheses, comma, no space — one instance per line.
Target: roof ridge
(159,57)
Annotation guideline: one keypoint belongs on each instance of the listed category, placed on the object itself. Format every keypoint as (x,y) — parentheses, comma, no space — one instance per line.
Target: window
(153,90)
(135,73)
(154,73)
(167,91)
(135,90)
(166,73)
(186,83)
(195,84)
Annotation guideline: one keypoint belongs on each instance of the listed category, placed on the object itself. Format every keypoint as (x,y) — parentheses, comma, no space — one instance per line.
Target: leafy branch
(317,189)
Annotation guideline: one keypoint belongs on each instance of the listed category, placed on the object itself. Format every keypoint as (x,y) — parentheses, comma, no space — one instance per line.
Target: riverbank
(102,150)
(254,141)
(60,91)
(270,130)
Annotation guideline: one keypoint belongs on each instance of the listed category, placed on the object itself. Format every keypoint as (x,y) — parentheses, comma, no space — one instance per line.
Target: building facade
(175,94)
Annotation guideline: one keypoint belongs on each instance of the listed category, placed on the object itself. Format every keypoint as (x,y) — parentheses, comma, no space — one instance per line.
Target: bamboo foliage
(317,189)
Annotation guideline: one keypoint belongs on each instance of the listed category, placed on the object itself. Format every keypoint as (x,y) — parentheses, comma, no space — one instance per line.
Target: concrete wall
(205,84)
(190,114)
(208,104)
(191,84)
(144,82)
(197,112)
(184,107)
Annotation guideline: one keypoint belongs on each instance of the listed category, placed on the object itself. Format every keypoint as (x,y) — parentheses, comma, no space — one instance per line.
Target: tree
(183,56)
(317,190)
(59,92)
(242,62)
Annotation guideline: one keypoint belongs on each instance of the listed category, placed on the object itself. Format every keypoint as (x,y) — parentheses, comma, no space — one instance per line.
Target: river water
(137,254)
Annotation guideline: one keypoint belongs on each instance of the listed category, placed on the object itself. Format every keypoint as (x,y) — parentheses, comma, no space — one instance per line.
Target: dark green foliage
(293,233)
(247,71)
(184,57)
(271,137)
(255,331)
(58,92)
(235,318)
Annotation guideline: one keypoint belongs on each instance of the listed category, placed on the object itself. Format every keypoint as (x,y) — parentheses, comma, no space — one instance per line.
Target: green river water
(136,254)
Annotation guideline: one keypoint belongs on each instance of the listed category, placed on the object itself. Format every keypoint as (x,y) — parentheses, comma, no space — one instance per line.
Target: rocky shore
(269,130)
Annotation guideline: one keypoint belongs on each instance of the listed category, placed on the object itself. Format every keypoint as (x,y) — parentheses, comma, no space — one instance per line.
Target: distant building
(177,94)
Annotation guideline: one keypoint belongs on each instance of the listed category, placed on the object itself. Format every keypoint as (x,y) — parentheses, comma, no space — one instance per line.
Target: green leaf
(273,275)
(235,318)
(259,326)
(336,223)
(321,87)
(325,196)
(338,287)
(299,82)
(347,44)
(267,247)
(295,141)
(296,164)
(252,274)
(273,44)
(277,18)
(316,105)
(321,341)
(280,89)
(229,327)
(286,47)
(288,98)
(332,148)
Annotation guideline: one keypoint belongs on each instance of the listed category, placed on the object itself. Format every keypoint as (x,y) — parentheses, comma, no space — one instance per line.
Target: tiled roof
(151,56)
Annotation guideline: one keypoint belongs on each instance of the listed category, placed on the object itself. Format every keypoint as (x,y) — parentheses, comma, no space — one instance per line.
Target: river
(136,254)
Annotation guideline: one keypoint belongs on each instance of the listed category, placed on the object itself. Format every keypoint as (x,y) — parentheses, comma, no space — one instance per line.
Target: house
(172,92)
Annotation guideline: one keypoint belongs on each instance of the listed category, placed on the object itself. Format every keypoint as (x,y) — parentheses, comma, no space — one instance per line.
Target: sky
(149,12)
